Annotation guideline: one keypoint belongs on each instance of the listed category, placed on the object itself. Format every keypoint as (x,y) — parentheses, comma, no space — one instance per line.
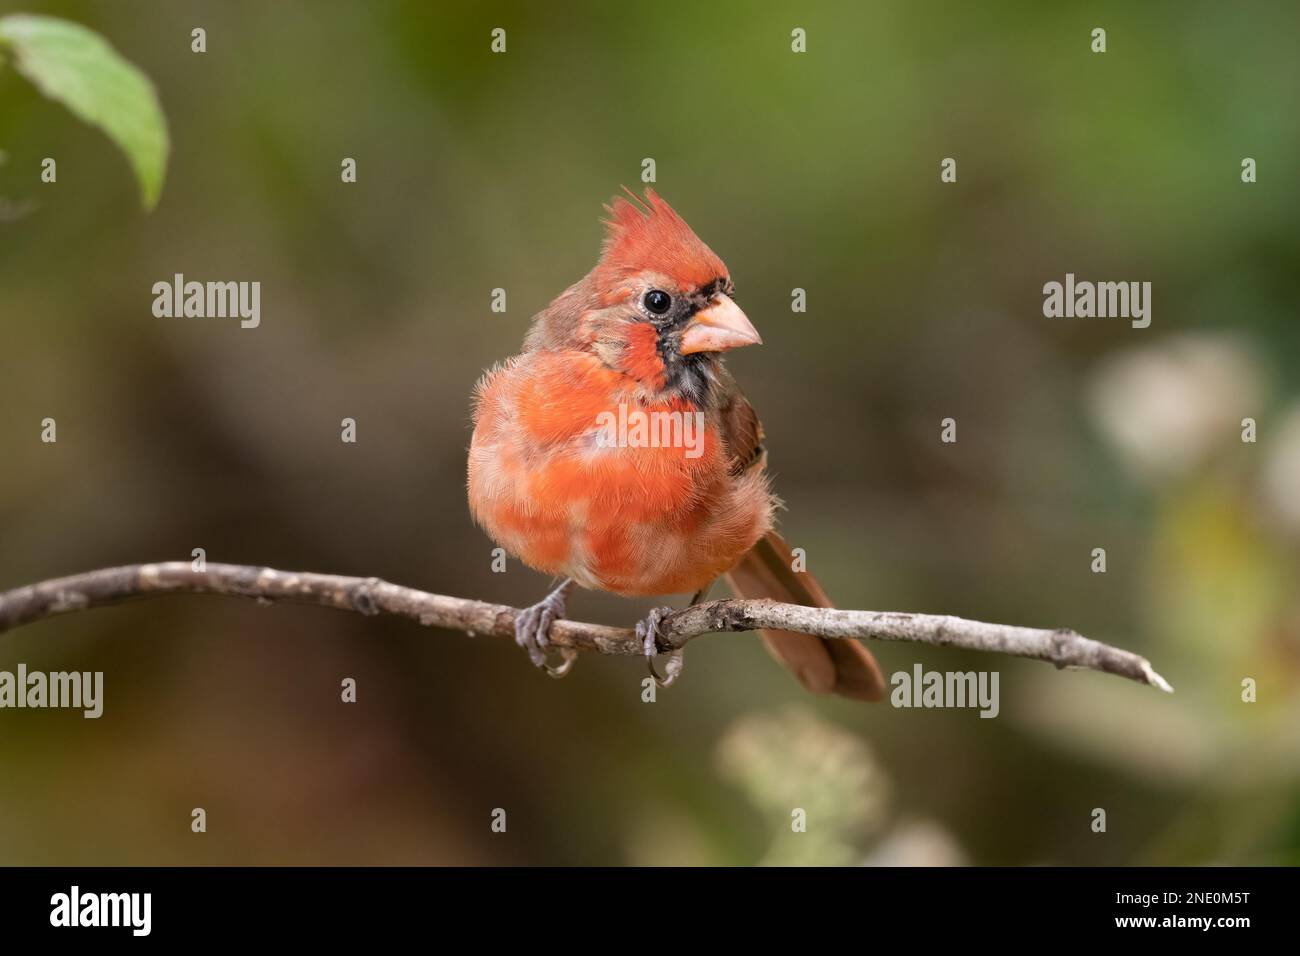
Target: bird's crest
(648,234)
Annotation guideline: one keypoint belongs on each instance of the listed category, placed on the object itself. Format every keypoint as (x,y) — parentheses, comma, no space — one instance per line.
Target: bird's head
(658,306)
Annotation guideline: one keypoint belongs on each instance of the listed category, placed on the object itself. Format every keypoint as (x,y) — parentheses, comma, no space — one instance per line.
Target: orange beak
(720,327)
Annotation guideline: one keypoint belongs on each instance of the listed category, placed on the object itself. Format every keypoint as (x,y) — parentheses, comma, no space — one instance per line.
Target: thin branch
(370,596)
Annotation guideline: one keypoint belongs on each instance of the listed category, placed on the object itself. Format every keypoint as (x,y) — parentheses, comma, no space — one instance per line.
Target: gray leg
(647,632)
(533,628)
(702,593)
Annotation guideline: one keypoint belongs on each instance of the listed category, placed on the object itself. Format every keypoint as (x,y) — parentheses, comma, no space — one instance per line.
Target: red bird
(618,453)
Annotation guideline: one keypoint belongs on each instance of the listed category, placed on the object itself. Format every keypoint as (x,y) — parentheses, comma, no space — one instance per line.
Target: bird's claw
(647,632)
(533,631)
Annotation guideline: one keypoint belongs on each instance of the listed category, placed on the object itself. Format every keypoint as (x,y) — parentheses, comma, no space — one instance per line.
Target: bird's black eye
(658,302)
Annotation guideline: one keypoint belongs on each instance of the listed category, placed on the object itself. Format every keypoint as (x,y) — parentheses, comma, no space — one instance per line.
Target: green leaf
(75,66)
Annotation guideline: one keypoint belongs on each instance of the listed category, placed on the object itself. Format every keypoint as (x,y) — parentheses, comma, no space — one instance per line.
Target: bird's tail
(824,666)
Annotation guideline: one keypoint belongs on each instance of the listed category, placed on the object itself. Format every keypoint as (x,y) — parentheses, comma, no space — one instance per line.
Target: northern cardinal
(640,339)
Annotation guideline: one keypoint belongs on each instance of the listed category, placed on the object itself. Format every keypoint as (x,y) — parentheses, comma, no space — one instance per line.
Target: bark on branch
(370,596)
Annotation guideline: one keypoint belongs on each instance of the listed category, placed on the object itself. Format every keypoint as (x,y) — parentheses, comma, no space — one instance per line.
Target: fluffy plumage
(639,519)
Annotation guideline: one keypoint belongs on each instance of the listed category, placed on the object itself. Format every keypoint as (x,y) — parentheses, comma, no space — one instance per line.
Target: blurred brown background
(818,171)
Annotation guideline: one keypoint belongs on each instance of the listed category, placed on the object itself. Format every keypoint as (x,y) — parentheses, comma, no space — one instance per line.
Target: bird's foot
(533,630)
(647,633)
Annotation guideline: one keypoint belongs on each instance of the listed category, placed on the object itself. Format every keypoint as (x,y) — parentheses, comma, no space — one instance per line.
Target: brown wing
(823,666)
(742,433)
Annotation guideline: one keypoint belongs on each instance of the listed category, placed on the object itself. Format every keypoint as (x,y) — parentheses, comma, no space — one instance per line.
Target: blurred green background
(818,171)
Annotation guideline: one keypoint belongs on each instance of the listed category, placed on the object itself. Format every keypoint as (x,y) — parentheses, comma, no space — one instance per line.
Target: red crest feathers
(649,235)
